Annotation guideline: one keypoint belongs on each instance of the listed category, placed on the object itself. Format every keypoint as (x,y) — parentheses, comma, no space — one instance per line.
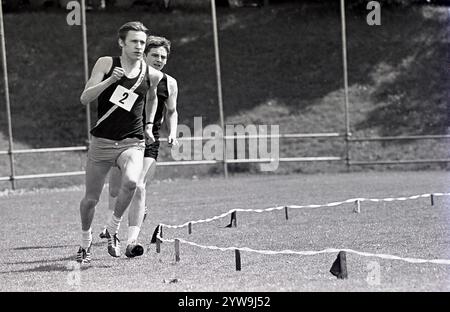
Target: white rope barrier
(333,204)
(310,252)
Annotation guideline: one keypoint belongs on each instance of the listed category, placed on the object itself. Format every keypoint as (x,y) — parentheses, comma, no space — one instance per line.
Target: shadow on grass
(43,247)
(57,246)
(56,268)
(70,258)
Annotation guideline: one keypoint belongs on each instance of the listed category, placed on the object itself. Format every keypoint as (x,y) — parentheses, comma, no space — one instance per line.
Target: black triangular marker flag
(155,233)
(233,222)
(339,267)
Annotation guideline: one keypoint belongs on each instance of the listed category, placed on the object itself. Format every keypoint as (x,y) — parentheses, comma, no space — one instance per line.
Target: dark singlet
(121,124)
(162,92)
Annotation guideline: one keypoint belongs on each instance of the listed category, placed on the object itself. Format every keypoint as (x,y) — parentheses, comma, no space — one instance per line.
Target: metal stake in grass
(237,254)
(286,212)
(158,245)
(432,199)
(177,250)
(158,241)
(357,206)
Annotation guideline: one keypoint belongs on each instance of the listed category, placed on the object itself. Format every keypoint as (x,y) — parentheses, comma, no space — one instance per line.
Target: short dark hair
(156,42)
(136,26)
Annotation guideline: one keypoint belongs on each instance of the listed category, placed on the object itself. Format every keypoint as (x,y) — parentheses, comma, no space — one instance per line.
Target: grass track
(42,234)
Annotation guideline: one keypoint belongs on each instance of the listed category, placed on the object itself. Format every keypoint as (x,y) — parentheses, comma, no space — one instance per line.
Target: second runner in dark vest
(163,94)
(162,91)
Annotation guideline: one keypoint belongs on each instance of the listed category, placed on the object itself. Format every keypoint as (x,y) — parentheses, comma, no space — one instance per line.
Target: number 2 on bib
(125,95)
(123,98)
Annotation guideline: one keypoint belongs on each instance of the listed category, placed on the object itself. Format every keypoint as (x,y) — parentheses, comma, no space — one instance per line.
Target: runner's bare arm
(96,85)
(171,110)
(152,101)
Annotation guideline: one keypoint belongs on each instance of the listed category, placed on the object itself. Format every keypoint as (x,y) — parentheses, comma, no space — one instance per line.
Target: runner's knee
(89,203)
(114,190)
(129,185)
(140,188)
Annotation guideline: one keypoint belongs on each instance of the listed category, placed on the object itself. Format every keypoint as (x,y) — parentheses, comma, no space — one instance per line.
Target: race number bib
(123,98)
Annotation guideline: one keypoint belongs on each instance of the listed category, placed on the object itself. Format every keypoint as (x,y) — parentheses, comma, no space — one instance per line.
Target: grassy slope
(280,65)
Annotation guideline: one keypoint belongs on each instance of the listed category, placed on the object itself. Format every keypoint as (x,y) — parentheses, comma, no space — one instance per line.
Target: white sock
(113,224)
(86,238)
(133,233)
